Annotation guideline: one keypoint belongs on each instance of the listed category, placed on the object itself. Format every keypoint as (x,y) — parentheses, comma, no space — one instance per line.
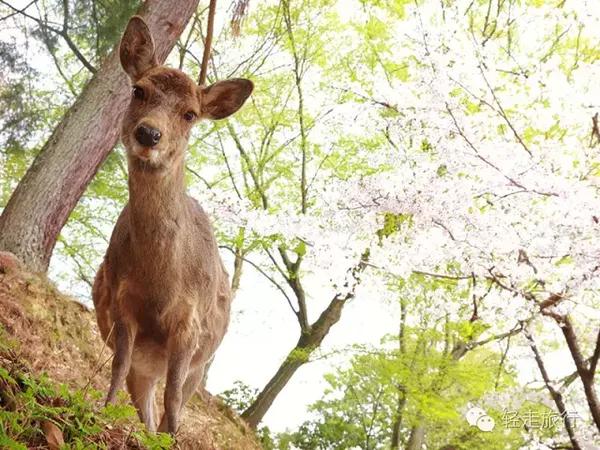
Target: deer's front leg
(180,356)
(124,339)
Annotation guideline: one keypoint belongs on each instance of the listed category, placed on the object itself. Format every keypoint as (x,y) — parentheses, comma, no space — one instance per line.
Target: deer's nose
(147,136)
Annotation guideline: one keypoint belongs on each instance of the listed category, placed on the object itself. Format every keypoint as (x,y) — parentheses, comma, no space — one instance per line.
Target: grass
(33,404)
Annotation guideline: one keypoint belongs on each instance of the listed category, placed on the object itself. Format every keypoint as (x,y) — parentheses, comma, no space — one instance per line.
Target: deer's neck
(156,202)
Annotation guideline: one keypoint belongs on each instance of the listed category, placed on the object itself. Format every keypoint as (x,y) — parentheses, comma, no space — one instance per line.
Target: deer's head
(166,103)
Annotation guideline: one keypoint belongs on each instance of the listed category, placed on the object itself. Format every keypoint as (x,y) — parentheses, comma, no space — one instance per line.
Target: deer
(161,294)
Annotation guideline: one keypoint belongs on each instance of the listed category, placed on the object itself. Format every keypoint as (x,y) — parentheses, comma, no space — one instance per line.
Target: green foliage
(266,438)
(239,397)
(420,376)
(300,355)
(420,385)
(27,401)
(154,441)
(393,223)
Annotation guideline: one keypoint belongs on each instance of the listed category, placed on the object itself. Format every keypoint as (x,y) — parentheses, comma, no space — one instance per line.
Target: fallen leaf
(54,436)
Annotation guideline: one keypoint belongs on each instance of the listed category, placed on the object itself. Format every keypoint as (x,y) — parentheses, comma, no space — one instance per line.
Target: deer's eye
(138,93)
(189,116)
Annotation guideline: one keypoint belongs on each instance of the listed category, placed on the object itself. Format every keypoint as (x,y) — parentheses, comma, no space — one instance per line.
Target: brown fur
(162,294)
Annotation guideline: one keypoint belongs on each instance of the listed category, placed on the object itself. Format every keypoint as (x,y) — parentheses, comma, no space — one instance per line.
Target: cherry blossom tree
(465,133)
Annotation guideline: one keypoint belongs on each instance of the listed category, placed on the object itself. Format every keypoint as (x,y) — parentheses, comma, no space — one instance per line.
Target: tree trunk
(257,410)
(586,374)
(397,425)
(41,204)
(296,358)
(556,395)
(416,439)
(311,338)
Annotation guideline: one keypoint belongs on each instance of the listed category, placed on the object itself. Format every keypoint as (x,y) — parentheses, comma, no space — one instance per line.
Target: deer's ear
(223,98)
(137,49)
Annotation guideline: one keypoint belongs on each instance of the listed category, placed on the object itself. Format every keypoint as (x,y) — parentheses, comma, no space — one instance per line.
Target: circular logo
(473,414)
(485,423)
(477,417)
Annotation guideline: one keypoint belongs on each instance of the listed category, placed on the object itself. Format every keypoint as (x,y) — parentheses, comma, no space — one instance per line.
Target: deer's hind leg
(142,389)
(192,382)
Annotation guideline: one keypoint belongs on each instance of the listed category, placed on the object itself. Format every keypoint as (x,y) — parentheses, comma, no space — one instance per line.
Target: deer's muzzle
(147,136)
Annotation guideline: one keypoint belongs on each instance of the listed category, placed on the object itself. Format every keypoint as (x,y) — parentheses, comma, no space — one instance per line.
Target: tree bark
(416,439)
(296,358)
(41,204)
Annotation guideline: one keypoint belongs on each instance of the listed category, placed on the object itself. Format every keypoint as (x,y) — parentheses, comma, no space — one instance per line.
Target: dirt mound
(50,333)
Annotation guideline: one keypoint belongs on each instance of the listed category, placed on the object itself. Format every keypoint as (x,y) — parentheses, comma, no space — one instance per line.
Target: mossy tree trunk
(311,335)
(309,341)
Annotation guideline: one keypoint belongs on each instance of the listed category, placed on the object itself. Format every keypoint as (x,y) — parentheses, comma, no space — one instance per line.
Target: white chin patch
(150,155)
(153,156)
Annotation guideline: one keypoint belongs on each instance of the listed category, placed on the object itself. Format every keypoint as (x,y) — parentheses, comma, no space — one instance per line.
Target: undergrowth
(29,404)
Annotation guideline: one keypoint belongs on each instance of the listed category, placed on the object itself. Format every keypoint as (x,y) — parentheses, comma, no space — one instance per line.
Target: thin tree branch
(498,337)
(267,276)
(486,161)
(595,136)
(18,11)
(502,362)
(503,113)
(207,42)
(61,32)
(298,72)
